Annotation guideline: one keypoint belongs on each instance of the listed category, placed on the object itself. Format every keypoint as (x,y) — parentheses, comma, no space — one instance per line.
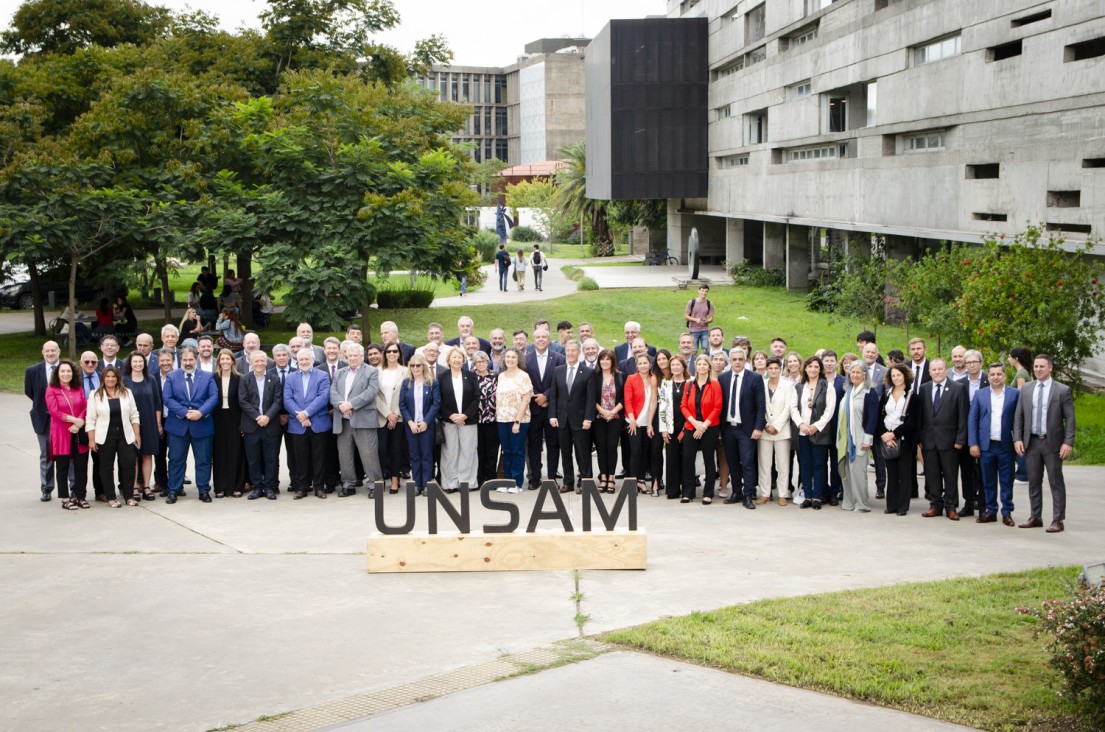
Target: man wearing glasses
(970,471)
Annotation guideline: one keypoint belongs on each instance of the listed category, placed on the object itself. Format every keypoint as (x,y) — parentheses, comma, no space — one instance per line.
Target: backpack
(537,257)
(709,307)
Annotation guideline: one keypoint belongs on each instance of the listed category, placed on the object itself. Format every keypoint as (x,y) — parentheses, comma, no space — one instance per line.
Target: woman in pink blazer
(67,406)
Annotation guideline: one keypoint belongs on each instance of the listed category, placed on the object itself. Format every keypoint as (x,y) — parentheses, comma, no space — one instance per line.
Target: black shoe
(749,503)
(205,497)
(254,494)
(534,486)
(806,504)
(371,493)
(170,498)
(967,511)
(181,494)
(879,495)
(697,482)
(816,505)
(346,492)
(619,476)
(270,495)
(405,475)
(45,497)
(890,510)
(164,492)
(733,498)
(186,482)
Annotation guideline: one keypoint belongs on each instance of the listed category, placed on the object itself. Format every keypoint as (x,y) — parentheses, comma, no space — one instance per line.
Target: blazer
(622,351)
(272,407)
(102,364)
(572,408)
(385,407)
(233,385)
(777,410)
(542,386)
(876,377)
(911,420)
(619,389)
(362,397)
(869,422)
(979,417)
(947,428)
(840,384)
(469,398)
(431,401)
(485,345)
(244,365)
(325,367)
(316,403)
(1060,415)
(629,365)
(635,387)
(821,412)
(205,398)
(751,400)
(711,402)
(155,354)
(61,403)
(926,377)
(99,414)
(34,386)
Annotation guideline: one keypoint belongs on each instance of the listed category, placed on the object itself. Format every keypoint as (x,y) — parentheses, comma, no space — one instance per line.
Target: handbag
(892,453)
(82,433)
(439,433)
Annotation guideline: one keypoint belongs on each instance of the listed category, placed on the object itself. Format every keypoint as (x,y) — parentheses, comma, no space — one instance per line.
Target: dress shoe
(45,496)
(186,482)
(816,505)
(565,488)
(806,504)
(346,492)
(181,493)
(371,493)
(1055,528)
(164,493)
(903,513)
(205,497)
(254,494)
(271,495)
(932,513)
(171,498)
(1008,520)
(953,516)
(966,511)
(1033,523)
(733,498)
(320,493)
(986,518)
(879,495)
(761,501)
(749,503)
(298,495)
(890,510)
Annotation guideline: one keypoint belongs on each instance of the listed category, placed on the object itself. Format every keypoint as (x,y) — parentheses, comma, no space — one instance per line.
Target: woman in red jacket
(643,432)
(68,408)
(702,409)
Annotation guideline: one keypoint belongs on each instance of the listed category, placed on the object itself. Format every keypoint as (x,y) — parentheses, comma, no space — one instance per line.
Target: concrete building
(917,120)
(524,112)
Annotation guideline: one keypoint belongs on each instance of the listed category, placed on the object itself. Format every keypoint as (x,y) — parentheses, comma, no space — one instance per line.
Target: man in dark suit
(261,397)
(35,380)
(1043,431)
(918,362)
(943,432)
(838,382)
(990,436)
(540,365)
(109,347)
(571,412)
(190,398)
(389,333)
(876,380)
(250,342)
(90,381)
(283,368)
(306,333)
(332,363)
(169,337)
(622,350)
(465,326)
(970,476)
(743,415)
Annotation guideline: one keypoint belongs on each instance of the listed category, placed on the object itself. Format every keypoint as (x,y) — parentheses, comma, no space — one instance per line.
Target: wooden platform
(480,552)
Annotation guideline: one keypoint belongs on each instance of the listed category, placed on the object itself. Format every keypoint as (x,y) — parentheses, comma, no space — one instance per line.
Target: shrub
(1076,628)
(744,274)
(587,284)
(822,297)
(486,244)
(526,234)
(572,272)
(405,298)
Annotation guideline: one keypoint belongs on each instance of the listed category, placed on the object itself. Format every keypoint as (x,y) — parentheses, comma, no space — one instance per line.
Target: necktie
(571,377)
(188,386)
(87,385)
(333,372)
(936,400)
(917,374)
(1038,416)
(283,376)
(734,390)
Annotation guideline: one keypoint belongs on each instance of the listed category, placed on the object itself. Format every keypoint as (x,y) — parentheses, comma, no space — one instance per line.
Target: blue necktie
(188,386)
(87,385)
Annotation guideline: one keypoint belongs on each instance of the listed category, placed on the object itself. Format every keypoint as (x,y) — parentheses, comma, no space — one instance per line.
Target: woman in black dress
(228,471)
(147,397)
(487,442)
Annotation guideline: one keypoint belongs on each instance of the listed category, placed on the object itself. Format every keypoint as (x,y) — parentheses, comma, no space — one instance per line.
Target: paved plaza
(196,616)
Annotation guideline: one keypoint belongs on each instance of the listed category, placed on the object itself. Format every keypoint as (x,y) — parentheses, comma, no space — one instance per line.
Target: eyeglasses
(391,350)
(89,361)
(416,365)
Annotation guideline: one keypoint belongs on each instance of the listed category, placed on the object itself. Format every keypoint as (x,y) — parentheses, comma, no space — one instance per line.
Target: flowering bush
(1076,629)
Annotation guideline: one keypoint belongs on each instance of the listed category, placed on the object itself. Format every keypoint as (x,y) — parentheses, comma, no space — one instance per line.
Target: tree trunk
(166,296)
(36,294)
(365,328)
(73,260)
(245,274)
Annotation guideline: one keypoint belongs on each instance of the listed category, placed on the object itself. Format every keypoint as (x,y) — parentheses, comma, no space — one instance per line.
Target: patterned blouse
(488,385)
(512,398)
(669,400)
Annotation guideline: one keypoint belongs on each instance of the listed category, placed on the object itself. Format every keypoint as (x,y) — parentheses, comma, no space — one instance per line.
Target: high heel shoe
(642,489)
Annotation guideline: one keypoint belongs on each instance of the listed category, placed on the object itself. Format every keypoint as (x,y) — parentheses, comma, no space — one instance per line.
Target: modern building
(915,120)
(521,113)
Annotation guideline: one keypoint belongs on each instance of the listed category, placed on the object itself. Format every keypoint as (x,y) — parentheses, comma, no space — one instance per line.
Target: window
(936,50)
(487,124)
(464,88)
(455,86)
(443,81)
(883,4)
(724,112)
(729,17)
(812,6)
(1034,18)
(872,102)
(756,127)
(755,24)
(1064,199)
(1084,50)
(924,143)
(819,152)
(1004,51)
(838,112)
(476,120)
(730,69)
(989,216)
(799,90)
(755,56)
(732,161)
(801,37)
(1093,162)
(500,90)
(500,150)
(1068,228)
(500,122)
(983,171)
(477,85)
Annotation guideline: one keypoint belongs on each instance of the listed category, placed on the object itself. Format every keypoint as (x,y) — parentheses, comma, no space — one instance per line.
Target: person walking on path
(502,259)
(538,260)
(520,263)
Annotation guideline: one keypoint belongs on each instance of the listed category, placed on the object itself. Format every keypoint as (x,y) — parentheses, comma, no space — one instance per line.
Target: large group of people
(697,422)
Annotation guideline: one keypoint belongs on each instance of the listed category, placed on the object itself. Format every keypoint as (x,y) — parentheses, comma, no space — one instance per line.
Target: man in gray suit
(1043,431)
(944,412)
(353,396)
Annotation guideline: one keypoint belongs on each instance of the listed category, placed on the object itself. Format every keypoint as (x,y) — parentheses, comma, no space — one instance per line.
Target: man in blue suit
(990,436)
(307,402)
(190,398)
(743,414)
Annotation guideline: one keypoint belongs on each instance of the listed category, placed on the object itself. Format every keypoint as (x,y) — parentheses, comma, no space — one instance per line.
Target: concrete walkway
(195,616)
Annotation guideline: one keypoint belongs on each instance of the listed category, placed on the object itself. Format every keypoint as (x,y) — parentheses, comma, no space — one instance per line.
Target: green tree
(571,197)
(64,26)
(540,195)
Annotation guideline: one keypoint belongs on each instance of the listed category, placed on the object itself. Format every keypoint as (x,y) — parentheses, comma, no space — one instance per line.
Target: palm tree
(572,200)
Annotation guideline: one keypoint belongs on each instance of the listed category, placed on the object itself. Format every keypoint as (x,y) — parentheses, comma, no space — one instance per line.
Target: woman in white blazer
(780,397)
(113,431)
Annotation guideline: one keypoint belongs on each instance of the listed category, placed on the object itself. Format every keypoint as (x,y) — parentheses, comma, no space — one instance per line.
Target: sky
(480,32)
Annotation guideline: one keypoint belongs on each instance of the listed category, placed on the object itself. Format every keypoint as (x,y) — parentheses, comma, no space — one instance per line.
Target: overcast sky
(480,32)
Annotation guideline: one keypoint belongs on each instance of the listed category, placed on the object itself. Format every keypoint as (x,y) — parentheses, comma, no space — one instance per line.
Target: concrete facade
(920,120)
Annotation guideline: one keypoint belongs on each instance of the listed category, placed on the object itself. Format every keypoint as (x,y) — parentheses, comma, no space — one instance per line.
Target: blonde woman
(114,431)
(512,398)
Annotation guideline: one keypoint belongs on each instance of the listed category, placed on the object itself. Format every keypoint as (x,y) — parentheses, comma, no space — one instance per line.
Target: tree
(540,195)
(573,201)
(64,26)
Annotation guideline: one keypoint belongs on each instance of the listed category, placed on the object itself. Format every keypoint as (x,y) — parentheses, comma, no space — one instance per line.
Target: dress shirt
(209,366)
(960,376)
(1039,415)
(734,397)
(306,383)
(417,389)
(542,359)
(938,391)
(894,410)
(973,386)
(997,403)
(260,392)
(188,384)
(348,385)
(226,391)
(918,371)
(571,376)
(458,390)
(90,383)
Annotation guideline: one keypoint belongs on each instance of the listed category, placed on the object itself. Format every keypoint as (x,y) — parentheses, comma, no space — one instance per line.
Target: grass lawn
(955,650)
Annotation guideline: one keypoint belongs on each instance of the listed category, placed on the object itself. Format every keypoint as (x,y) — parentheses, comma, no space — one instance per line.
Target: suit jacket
(876,377)
(101,365)
(572,408)
(979,417)
(385,407)
(248,400)
(777,410)
(926,377)
(554,346)
(629,365)
(407,350)
(316,402)
(155,354)
(622,351)
(325,367)
(542,386)
(275,371)
(34,386)
(751,399)
(485,345)
(840,384)
(469,398)
(205,398)
(320,353)
(362,397)
(947,428)
(619,390)
(1060,415)
(244,366)
(910,420)
(431,401)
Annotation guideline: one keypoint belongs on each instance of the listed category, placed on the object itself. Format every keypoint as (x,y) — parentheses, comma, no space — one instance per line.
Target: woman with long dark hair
(609,408)
(487,443)
(147,397)
(114,431)
(390,438)
(67,406)
(644,437)
(671,419)
(899,422)
(816,407)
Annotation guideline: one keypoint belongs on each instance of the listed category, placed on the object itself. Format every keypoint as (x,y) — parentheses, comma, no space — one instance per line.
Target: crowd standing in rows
(762,425)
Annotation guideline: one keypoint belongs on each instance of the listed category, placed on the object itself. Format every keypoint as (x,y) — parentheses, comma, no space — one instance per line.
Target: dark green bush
(745,274)
(526,234)
(822,298)
(405,298)
(486,244)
